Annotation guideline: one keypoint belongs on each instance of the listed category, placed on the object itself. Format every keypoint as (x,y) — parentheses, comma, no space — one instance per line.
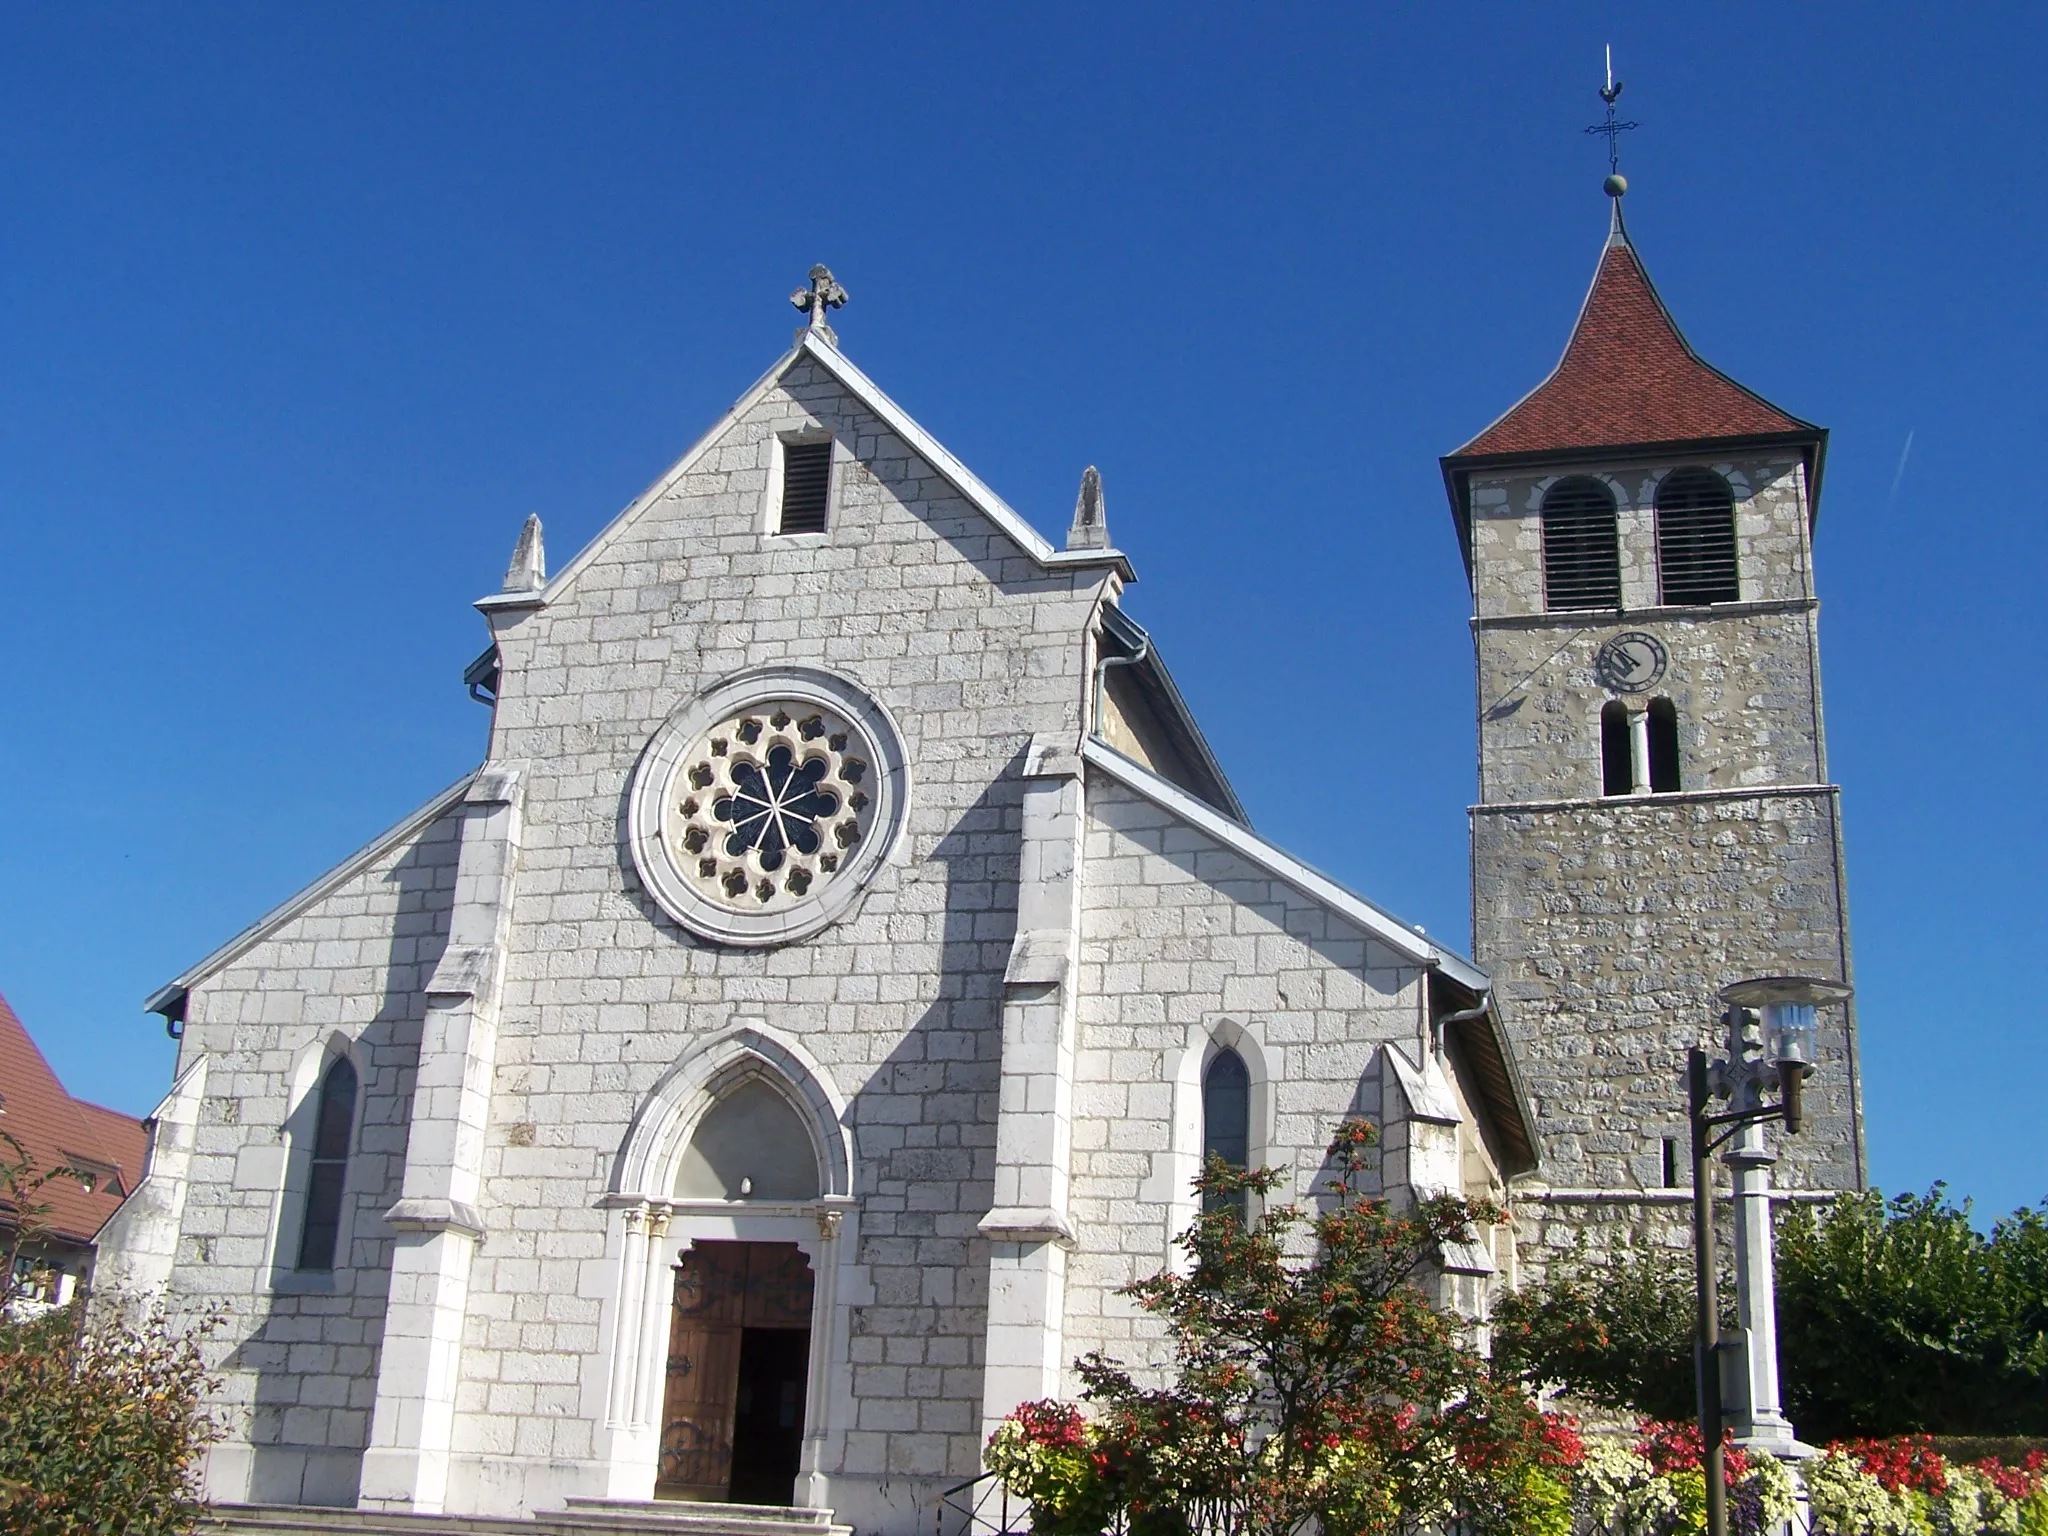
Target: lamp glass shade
(1789,1033)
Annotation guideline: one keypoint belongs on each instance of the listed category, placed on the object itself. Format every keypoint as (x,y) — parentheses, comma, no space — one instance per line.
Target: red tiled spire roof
(57,1130)
(1628,376)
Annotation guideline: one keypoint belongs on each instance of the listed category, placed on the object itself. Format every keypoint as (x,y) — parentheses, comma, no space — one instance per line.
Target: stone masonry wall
(298,1354)
(1182,939)
(1770,534)
(974,648)
(1741,683)
(1607,929)
(1609,923)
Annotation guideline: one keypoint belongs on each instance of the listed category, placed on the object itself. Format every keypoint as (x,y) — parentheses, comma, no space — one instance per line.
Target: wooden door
(723,1290)
(703,1373)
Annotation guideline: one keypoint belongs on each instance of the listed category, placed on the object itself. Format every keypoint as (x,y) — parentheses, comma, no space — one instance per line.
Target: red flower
(1910,1461)
(1676,1448)
(1562,1443)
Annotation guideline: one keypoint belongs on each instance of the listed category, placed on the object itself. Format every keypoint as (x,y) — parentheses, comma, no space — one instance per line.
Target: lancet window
(327,1177)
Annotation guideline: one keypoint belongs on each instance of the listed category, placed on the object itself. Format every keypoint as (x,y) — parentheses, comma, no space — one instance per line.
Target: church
(764,1070)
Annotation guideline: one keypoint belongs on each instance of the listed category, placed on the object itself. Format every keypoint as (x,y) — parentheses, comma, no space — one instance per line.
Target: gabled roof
(811,345)
(56,1130)
(1502,1084)
(169,999)
(1628,376)
(1160,691)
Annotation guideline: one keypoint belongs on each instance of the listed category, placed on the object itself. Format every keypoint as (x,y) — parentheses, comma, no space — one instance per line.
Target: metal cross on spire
(823,294)
(1611,128)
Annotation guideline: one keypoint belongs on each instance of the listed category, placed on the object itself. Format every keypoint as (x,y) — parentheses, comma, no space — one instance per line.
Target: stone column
(1028,1229)
(1758,1420)
(1639,751)
(412,1427)
(1750,1379)
(813,1482)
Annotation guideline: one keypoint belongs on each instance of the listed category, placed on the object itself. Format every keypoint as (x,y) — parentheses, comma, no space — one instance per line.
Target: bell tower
(1654,816)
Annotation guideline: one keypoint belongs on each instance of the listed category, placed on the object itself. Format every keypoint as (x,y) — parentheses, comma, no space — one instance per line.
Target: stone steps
(583,1517)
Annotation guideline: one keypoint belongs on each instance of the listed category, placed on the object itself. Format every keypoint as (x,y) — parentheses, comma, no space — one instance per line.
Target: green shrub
(1894,1318)
(102,1421)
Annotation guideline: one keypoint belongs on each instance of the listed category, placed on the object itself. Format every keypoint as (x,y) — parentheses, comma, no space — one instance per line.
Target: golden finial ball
(1615,185)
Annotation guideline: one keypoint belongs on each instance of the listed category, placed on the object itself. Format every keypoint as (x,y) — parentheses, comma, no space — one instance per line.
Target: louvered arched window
(1696,538)
(1227,1122)
(1581,552)
(327,1176)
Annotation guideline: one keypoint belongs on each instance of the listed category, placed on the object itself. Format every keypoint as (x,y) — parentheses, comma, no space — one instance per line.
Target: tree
(1894,1318)
(1315,1385)
(1901,1317)
(102,1410)
(1617,1332)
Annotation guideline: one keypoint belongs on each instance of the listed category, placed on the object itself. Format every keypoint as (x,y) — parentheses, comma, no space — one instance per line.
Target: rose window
(768,806)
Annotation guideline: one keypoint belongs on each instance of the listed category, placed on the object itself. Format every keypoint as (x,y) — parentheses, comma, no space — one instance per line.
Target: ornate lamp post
(1770,1045)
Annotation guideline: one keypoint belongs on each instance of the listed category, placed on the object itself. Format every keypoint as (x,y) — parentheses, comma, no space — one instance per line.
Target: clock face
(1632,662)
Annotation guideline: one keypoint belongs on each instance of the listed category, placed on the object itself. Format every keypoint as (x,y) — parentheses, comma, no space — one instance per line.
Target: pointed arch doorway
(739,1360)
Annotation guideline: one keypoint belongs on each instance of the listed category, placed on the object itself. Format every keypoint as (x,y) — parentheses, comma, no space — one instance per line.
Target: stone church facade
(763,1071)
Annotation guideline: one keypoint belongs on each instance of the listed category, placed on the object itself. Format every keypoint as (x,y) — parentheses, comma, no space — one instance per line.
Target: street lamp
(1770,1046)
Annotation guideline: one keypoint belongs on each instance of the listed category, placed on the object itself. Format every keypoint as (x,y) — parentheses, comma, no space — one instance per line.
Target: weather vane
(1611,128)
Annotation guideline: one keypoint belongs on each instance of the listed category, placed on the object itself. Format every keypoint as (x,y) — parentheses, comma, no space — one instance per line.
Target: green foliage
(101,1423)
(1894,1318)
(1617,1333)
(1315,1383)
(1901,1317)
(102,1415)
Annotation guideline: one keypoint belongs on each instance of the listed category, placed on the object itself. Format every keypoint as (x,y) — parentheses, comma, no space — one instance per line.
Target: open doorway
(738,1365)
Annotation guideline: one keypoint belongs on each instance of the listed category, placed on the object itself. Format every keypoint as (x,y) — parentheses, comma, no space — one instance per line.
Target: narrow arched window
(1581,550)
(1617,763)
(1663,746)
(328,1175)
(1696,538)
(1227,1122)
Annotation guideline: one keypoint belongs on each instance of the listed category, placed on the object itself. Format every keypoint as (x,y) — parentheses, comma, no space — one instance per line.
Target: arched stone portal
(732,1186)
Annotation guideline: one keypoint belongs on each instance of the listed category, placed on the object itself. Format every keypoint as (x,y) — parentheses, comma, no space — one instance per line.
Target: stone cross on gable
(823,294)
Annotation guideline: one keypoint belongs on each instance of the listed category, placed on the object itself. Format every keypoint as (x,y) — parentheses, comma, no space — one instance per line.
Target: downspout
(1438,1026)
(1101,674)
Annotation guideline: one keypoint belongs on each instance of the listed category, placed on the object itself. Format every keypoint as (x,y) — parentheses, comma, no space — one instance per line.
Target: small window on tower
(806,486)
(1617,769)
(1581,549)
(1663,746)
(1696,538)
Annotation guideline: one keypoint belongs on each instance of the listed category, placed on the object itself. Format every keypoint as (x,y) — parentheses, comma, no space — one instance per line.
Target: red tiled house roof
(58,1130)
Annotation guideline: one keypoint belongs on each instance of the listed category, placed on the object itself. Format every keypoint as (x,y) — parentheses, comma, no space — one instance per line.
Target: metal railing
(982,1506)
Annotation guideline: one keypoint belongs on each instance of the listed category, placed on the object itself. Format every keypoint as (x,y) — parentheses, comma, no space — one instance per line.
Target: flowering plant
(1904,1487)
(1313,1385)
(1046,1453)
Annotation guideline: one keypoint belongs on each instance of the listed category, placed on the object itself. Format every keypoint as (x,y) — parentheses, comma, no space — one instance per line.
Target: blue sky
(302,310)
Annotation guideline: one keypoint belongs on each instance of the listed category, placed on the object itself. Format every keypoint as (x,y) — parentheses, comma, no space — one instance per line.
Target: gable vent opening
(1581,550)
(1696,538)
(806,486)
